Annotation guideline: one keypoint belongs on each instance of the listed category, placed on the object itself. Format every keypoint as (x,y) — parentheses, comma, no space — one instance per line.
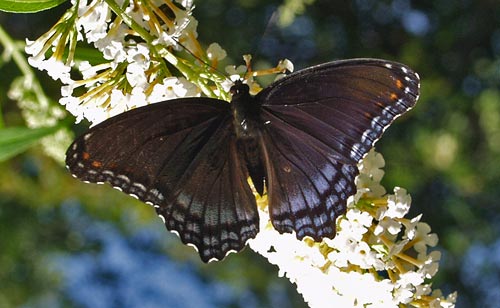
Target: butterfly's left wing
(318,124)
(180,156)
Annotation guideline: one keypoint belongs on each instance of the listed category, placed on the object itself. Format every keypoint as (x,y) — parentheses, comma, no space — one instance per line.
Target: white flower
(72,104)
(422,290)
(35,48)
(424,238)
(389,216)
(121,102)
(431,264)
(183,24)
(403,295)
(139,54)
(136,76)
(173,87)
(139,62)
(447,302)
(188,4)
(285,65)
(397,247)
(56,69)
(407,283)
(389,225)
(356,224)
(112,45)
(235,72)
(370,174)
(398,204)
(411,227)
(88,71)
(372,165)
(215,52)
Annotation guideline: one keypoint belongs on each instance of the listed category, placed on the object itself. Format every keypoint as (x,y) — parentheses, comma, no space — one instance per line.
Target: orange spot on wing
(399,83)
(96,164)
(85,155)
(394,96)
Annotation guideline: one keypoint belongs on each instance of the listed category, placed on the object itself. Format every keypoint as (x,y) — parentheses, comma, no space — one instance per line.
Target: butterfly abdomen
(250,150)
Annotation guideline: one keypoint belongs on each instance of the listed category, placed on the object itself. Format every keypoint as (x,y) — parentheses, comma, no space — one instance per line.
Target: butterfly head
(239,89)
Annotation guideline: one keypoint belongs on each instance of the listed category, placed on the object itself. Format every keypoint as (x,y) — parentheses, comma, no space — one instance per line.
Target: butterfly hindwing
(308,187)
(213,207)
(148,153)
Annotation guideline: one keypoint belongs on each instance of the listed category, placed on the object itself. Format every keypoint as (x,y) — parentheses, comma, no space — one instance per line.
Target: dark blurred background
(65,243)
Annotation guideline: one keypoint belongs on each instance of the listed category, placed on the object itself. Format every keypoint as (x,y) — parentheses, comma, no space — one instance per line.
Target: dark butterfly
(300,138)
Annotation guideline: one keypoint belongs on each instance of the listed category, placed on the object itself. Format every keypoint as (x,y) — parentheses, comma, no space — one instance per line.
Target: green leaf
(28,6)
(14,140)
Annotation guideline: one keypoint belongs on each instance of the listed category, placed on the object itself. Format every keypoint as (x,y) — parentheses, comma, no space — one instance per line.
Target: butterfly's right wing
(318,123)
(181,157)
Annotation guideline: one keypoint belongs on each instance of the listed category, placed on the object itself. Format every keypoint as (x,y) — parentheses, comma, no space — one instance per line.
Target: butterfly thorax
(247,127)
(246,112)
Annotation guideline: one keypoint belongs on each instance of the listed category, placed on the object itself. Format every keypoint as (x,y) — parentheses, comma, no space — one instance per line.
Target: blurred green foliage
(445,151)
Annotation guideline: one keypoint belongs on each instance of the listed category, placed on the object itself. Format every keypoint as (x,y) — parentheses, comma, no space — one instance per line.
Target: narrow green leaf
(14,140)
(28,6)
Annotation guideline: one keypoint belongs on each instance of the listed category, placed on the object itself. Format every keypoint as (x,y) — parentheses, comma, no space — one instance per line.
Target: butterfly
(299,140)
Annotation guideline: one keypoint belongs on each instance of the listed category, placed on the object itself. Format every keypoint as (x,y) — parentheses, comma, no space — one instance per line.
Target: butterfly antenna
(270,25)
(268,29)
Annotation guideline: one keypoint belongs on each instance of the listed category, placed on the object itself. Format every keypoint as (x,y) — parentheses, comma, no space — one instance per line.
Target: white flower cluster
(132,71)
(378,258)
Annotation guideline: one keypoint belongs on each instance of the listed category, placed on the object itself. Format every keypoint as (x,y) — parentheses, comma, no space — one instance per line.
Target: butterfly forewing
(167,152)
(344,104)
